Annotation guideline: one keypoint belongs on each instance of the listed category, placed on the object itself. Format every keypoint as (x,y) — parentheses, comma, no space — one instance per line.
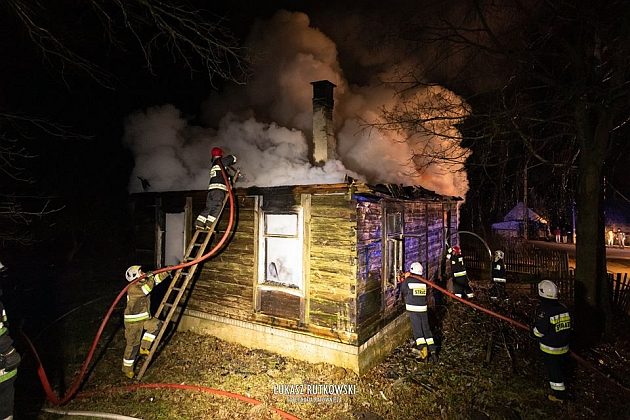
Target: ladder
(180,283)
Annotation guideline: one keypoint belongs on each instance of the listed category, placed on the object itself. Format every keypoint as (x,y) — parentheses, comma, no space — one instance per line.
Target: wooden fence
(619,286)
(523,261)
(526,265)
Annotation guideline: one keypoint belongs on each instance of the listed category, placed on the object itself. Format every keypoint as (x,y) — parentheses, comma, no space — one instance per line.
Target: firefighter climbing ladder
(180,283)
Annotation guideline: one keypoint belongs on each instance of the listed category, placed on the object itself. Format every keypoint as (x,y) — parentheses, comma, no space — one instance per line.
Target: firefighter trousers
(461,288)
(136,340)
(214,201)
(7,394)
(555,366)
(421,330)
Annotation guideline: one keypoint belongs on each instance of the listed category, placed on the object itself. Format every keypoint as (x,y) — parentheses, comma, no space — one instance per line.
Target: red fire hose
(50,393)
(522,326)
(206,389)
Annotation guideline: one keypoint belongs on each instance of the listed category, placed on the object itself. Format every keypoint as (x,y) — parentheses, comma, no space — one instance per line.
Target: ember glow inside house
(310,271)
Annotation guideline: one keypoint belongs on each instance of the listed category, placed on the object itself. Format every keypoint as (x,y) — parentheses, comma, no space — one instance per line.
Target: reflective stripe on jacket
(553,327)
(138,301)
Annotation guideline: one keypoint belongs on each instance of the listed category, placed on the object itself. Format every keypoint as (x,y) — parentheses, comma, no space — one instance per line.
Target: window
(281,250)
(394,246)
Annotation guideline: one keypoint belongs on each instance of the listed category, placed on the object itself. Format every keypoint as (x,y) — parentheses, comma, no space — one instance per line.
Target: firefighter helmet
(548,289)
(216,152)
(416,268)
(498,255)
(457,250)
(133,273)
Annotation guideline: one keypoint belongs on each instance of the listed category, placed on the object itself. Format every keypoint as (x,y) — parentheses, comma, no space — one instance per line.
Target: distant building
(513,223)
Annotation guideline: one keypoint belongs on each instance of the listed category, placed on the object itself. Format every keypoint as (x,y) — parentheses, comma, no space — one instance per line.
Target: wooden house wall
(369,268)
(344,247)
(225,284)
(333,264)
(416,234)
(392,307)
(435,236)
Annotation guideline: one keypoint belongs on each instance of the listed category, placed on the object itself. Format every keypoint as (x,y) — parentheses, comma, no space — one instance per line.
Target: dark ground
(487,369)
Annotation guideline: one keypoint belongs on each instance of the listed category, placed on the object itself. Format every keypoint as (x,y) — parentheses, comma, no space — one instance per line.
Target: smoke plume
(267,124)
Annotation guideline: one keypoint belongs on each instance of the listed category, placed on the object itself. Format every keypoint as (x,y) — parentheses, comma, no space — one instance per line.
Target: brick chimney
(324,142)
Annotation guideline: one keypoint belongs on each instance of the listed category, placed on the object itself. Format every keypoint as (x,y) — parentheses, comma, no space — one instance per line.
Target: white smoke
(267,124)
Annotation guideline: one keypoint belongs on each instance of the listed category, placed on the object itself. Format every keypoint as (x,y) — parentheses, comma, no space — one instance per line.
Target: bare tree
(73,38)
(547,84)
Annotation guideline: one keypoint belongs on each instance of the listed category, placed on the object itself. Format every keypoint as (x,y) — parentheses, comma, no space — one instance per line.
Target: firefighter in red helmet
(461,288)
(216,189)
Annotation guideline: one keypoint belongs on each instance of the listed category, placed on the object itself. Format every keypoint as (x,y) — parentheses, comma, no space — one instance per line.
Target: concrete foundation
(301,346)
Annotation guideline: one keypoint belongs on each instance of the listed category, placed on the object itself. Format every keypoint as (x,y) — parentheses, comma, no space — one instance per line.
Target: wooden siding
(369,268)
(333,265)
(225,285)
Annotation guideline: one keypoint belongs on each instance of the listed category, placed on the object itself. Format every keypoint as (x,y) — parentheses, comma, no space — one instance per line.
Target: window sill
(284,289)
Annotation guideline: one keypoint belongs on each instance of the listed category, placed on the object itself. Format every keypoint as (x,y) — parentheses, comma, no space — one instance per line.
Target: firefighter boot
(144,352)
(129,374)
(424,352)
(200,222)
(433,358)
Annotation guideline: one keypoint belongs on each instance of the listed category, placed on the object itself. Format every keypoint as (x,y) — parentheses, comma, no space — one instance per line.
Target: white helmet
(133,273)
(548,289)
(498,254)
(416,268)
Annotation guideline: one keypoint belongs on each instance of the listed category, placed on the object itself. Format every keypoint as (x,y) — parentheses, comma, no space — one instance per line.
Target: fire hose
(52,397)
(579,359)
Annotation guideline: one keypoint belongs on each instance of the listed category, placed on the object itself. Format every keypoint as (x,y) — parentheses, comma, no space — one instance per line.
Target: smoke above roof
(267,124)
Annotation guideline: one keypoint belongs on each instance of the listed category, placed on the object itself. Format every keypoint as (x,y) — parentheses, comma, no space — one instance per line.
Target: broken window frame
(295,243)
(394,246)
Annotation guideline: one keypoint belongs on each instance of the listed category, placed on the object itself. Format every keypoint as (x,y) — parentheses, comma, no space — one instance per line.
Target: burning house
(310,270)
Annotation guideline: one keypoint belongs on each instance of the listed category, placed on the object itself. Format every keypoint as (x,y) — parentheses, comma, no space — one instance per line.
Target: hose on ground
(198,388)
(580,360)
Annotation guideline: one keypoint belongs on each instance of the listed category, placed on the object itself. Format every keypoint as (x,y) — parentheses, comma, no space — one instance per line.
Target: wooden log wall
(333,264)
(435,234)
(416,238)
(225,284)
(369,268)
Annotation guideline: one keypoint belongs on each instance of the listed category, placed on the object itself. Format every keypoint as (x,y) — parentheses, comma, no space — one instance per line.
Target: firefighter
(621,238)
(138,317)
(216,189)
(415,294)
(461,287)
(9,362)
(552,327)
(610,237)
(498,277)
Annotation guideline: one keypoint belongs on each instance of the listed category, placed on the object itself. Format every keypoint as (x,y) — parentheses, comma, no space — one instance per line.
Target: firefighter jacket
(9,357)
(216,178)
(457,263)
(415,294)
(138,301)
(498,271)
(553,327)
